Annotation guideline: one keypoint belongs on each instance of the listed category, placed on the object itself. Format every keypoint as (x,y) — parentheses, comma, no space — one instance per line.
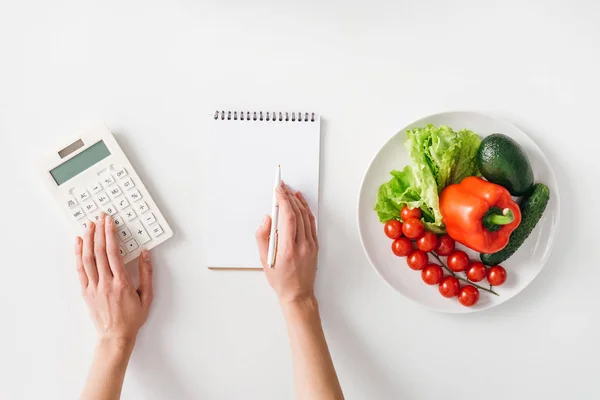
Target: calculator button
(129,214)
(107,179)
(85,224)
(78,213)
(131,245)
(124,233)
(102,198)
(71,202)
(95,218)
(122,173)
(118,220)
(127,184)
(122,250)
(140,232)
(156,230)
(83,195)
(149,219)
(89,206)
(134,195)
(122,203)
(110,209)
(96,187)
(141,207)
(115,191)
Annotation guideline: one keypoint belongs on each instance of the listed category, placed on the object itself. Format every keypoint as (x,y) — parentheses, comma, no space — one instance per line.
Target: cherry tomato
(476,271)
(401,247)
(393,229)
(458,261)
(427,242)
(445,245)
(432,274)
(412,228)
(448,286)
(407,213)
(468,295)
(417,260)
(496,276)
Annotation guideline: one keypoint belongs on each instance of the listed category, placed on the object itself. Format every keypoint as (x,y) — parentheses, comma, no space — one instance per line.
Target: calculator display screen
(82,161)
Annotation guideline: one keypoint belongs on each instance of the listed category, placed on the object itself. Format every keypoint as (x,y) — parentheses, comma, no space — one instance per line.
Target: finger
(83,279)
(311,217)
(262,239)
(145,289)
(287,217)
(115,260)
(300,235)
(89,262)
(305,218)
(100,251)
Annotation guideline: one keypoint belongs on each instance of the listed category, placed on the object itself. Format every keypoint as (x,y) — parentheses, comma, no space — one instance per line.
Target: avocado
(502,161)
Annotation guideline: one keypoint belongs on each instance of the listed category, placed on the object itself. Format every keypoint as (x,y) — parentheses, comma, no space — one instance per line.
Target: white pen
(274,219)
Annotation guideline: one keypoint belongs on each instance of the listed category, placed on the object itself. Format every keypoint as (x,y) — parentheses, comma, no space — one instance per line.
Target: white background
(153,69)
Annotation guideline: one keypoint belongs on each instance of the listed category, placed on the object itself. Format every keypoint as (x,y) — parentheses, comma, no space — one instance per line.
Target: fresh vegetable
(407,213)
(393,229)
(417,260)
(439,156)
(439,152)
(445,245)
(427,242)
(476,272)
(496,276)
(432,274)
(448,286)
(402,247)
(468,295)
(412,228)
(532,209)
(502,161)
(401,191)
(458,261)
(479,214)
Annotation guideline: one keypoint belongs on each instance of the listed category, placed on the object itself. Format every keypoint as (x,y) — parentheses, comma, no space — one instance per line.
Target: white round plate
(522,267)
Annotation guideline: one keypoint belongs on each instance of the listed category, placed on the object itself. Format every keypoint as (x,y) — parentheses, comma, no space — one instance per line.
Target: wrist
(303,306)
(116,345)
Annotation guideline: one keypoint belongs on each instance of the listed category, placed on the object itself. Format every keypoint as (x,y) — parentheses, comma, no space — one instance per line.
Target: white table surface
(153,69)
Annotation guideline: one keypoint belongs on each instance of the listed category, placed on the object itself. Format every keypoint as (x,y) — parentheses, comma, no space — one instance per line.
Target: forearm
(314,373)
(105,379)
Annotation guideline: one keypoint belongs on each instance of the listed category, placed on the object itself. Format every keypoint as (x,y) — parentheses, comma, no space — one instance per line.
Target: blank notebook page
(242,158)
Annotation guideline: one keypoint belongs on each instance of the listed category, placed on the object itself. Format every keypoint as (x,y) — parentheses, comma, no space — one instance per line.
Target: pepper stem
(496,217)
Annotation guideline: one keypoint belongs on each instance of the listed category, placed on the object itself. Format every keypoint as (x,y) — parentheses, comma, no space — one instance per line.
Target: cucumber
(501,160)
(532,209)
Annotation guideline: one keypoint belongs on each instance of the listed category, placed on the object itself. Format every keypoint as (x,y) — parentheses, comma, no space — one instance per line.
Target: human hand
(293,275)
(117,308)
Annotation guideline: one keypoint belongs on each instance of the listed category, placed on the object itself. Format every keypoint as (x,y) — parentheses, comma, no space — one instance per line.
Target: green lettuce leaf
(439,157)
(465,159)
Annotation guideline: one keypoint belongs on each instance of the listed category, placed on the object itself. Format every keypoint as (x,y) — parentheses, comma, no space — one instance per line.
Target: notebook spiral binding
(264,116)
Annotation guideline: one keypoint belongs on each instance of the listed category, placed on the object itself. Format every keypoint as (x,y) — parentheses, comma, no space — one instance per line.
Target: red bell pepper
(479,214)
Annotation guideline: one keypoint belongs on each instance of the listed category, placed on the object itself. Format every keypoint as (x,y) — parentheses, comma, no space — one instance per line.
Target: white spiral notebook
(244,149)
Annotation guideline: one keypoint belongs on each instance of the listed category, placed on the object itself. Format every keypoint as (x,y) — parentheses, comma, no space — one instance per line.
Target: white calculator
(92,175)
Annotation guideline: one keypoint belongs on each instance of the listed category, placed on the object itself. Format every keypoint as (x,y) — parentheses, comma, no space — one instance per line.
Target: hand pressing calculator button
(91,176)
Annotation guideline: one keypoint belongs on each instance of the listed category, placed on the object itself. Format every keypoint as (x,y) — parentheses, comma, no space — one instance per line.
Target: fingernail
(109,220)
(264,221)
(146,255)
(91,225)
(77,240)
